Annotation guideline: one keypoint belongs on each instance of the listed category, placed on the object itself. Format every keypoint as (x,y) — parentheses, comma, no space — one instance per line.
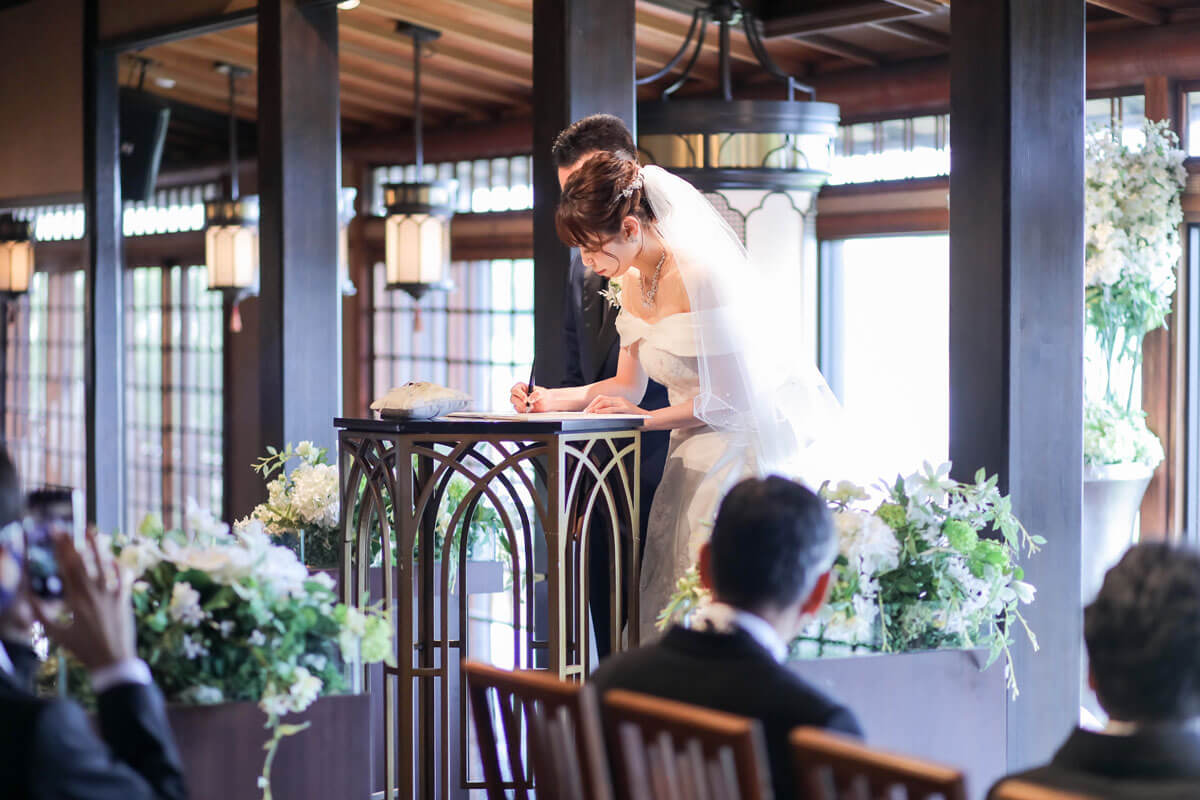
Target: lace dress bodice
(666,349)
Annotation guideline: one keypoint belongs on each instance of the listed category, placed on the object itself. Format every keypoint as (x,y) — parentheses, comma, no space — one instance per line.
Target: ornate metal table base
(553,484)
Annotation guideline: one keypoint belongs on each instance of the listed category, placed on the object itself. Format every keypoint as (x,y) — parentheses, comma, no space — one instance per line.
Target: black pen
(530,385)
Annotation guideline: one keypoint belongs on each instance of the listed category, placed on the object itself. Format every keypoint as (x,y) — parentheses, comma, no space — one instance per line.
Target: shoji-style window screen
(173,393)
(44,419)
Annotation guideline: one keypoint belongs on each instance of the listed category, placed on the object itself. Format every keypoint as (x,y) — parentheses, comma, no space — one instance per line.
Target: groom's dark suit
(729,672)
(48,749)
(592,350)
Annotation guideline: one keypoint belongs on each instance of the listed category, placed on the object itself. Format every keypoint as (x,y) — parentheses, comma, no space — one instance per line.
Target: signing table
(553,483)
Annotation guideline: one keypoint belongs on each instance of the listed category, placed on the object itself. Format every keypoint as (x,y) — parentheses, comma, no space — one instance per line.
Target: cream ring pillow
(420,400)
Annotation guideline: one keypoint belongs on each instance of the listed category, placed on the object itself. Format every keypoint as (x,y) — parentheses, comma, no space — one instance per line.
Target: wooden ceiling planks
(480,69)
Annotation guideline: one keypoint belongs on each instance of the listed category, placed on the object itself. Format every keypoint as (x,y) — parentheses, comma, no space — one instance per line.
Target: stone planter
(1112,495)
(222,749)
(936,704)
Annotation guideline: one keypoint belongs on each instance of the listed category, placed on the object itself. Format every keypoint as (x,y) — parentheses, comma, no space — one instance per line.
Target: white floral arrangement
(1114,436)
(913,571)
(303,504)
(227,616)
(1133,214)
(612,293)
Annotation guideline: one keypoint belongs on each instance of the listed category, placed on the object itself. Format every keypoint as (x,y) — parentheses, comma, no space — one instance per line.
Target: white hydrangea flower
(193,648)
(307,451)
(185,605)
(315,494)
(256,639)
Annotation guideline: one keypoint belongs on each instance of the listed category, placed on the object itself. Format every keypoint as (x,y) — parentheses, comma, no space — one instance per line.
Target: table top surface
(513,428)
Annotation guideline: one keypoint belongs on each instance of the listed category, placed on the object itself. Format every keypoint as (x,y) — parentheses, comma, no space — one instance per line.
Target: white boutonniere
(612,293)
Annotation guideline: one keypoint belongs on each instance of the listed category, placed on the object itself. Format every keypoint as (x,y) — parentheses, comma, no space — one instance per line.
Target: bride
(698,317)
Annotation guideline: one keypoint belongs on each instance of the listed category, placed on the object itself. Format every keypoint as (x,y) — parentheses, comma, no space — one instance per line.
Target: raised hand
(97,620)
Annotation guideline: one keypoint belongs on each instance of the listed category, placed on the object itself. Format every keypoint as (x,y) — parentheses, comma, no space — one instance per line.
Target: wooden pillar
(583,63)
(1164,369)
(1016,316)
(298,177)
(104,356)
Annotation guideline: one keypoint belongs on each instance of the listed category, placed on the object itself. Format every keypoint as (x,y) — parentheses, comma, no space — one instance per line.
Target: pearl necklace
(649,295)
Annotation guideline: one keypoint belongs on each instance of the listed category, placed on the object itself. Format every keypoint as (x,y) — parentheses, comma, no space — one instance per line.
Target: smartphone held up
(51,512)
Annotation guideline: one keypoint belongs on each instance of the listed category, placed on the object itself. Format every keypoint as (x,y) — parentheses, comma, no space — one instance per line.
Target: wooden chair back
(834,767)
(1020,790)
(546,731)
(664,750)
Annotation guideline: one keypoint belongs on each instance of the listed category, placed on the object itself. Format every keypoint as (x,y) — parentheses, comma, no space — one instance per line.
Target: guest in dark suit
(49,748)
(1143,642)
(592,350)
(767,565)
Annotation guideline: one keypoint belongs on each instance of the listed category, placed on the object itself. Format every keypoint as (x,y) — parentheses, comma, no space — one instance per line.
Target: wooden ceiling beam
(419,13)
(914,32)
(1135,9)
(921,6)
(376,35)
(395,72)
(845,15)
(846,50)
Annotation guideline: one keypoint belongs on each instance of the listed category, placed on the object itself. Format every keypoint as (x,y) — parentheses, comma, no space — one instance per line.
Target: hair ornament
(634,185)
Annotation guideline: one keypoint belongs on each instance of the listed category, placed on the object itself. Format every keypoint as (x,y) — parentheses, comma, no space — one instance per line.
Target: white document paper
(540,416)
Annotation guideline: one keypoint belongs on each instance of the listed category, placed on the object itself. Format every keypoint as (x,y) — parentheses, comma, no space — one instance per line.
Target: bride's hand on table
(607,404)
(523,401)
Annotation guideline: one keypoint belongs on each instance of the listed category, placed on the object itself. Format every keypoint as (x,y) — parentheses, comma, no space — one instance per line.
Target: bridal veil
(756,381)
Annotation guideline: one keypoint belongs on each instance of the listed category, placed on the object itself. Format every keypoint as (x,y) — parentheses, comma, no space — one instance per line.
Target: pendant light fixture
(231,223)
(417,230)
(16,257)
(722,143)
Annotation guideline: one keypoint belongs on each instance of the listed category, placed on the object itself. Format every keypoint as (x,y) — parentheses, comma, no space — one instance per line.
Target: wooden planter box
(936,705)
(222,749)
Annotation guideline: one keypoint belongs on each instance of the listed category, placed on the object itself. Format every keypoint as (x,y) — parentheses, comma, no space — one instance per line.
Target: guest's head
(771,550)
(603,211)
(599,133)
(1143,635)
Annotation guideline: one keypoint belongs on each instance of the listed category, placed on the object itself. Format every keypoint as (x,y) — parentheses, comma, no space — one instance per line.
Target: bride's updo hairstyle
(597,198)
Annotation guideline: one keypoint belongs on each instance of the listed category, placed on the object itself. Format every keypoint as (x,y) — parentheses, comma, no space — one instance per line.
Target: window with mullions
(1125,115)
(485,184)
(170,211)
(894,149)
(44,421)
(477,338)
(174,340)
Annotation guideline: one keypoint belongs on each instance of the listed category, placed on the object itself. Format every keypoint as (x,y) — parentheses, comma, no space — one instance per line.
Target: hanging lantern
(231,243)
(231,223)
(417,231)
(417,236)
(16,256)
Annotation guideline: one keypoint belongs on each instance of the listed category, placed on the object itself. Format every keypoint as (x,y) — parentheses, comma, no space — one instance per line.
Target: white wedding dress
(702,463)
(763,405)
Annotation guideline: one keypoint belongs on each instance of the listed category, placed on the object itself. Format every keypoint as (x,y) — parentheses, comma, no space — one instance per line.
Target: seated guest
(1143,643)
(767,566)
(49,747)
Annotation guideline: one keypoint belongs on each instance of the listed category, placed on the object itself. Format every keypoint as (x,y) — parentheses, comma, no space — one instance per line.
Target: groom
(592,351)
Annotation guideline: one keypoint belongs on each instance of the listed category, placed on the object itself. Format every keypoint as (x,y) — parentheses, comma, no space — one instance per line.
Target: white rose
(185,605)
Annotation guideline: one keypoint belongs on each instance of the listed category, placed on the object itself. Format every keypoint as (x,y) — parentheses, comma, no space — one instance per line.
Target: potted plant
(932,564)
(248,648)
(1133,214)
